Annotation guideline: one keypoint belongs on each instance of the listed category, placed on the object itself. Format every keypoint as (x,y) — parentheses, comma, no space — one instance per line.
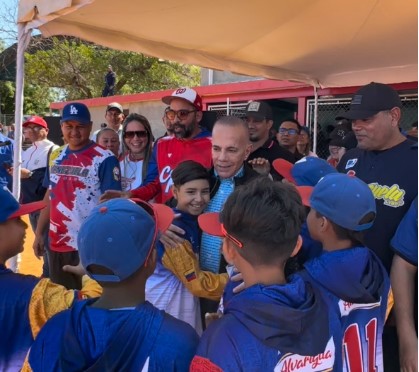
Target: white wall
(152,110)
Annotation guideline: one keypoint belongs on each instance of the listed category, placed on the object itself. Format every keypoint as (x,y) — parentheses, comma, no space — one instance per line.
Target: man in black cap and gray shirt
(388,163)
(259,119)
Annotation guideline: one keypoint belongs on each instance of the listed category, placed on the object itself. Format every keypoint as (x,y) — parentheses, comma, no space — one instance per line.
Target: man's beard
(183,131)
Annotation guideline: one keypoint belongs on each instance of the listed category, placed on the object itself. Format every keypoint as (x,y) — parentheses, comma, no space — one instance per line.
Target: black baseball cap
(259,110)
(371,99)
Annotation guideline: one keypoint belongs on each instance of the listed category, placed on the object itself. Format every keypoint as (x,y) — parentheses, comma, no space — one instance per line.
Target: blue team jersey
(15,295)
(269,328)
(392,176)
(165,291)
(6,160)
(405,241)
(140,339)
(356,287)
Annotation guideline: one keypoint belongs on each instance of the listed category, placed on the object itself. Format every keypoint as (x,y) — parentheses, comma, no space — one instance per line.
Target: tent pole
(316,105)
(22,44)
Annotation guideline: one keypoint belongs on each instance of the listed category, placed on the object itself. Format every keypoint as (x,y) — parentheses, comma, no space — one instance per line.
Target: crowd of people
(226,250)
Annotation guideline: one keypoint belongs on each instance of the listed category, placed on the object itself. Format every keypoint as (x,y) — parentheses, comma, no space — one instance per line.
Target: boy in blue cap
(78,174)
(26,302)
(351,278)
(305,172)
(275,323)
(120,331)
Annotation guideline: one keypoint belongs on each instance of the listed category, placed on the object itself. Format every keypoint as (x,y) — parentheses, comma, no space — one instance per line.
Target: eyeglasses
(232,238)
(35,128)
(181,114)
(138,133)
(289,131)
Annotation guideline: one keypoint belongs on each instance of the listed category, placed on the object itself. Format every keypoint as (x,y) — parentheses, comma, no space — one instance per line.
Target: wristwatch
(30,174)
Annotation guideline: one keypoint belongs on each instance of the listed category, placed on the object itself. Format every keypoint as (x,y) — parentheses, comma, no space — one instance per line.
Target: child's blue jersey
(95,339)
(356,288)
(269,328)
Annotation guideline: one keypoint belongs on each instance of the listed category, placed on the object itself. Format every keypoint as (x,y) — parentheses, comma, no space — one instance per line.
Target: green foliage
(78,68)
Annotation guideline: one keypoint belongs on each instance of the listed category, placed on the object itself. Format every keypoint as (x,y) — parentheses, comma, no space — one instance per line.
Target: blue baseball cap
(305,172)
(10,208)
(344,200)
(76,111)
(120,235)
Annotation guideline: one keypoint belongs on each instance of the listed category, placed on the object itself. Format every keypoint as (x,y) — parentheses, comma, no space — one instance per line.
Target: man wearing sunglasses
(190,142)
(288,135)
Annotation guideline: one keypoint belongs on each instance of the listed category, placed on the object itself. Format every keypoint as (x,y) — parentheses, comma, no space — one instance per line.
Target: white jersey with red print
(76,179)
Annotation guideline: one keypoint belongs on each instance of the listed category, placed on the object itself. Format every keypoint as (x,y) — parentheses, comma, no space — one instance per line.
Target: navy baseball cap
(76,111)
(10,208)
(371,99)
(305,172)
(120,235)
(344,200)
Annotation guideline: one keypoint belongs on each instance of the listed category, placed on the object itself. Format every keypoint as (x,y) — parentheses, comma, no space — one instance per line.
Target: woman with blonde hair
(137,142)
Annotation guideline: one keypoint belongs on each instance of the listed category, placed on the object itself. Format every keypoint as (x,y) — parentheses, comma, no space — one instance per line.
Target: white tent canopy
(326,42)
(320,42)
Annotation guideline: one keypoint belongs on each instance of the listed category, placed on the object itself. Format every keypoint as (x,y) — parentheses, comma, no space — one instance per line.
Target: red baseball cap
(284,168)
(37,120)
(210,223)
(305,193)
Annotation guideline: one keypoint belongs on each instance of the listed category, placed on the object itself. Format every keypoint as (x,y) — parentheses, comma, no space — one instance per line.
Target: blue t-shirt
(405,241)
(392,176)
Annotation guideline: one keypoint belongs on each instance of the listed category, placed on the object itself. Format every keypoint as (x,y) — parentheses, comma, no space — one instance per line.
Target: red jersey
(168,152)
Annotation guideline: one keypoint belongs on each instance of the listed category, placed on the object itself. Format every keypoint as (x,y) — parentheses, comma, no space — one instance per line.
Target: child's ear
(325,224)
(297,246)
(175,191)
(229,251)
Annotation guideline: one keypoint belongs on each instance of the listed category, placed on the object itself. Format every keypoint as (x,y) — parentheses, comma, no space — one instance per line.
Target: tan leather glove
(182,261)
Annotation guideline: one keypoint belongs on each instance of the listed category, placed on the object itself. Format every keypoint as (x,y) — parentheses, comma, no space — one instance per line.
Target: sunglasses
(138,133)
(231,237)
(181,114)
(289,131)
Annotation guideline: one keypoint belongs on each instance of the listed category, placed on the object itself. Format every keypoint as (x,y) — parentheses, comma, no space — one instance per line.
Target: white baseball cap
(186,94)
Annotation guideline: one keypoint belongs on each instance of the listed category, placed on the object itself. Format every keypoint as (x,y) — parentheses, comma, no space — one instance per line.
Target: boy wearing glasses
(275,323)
(288,135)
(190,142)
(119,331)
(79,172)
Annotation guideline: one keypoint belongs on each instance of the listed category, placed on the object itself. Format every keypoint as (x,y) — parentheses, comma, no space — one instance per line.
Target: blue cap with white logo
(76,111)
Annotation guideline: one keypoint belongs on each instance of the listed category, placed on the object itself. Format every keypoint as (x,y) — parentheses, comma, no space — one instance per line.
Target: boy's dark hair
(356,237)
(266,217)
(189,170)
(292,121)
